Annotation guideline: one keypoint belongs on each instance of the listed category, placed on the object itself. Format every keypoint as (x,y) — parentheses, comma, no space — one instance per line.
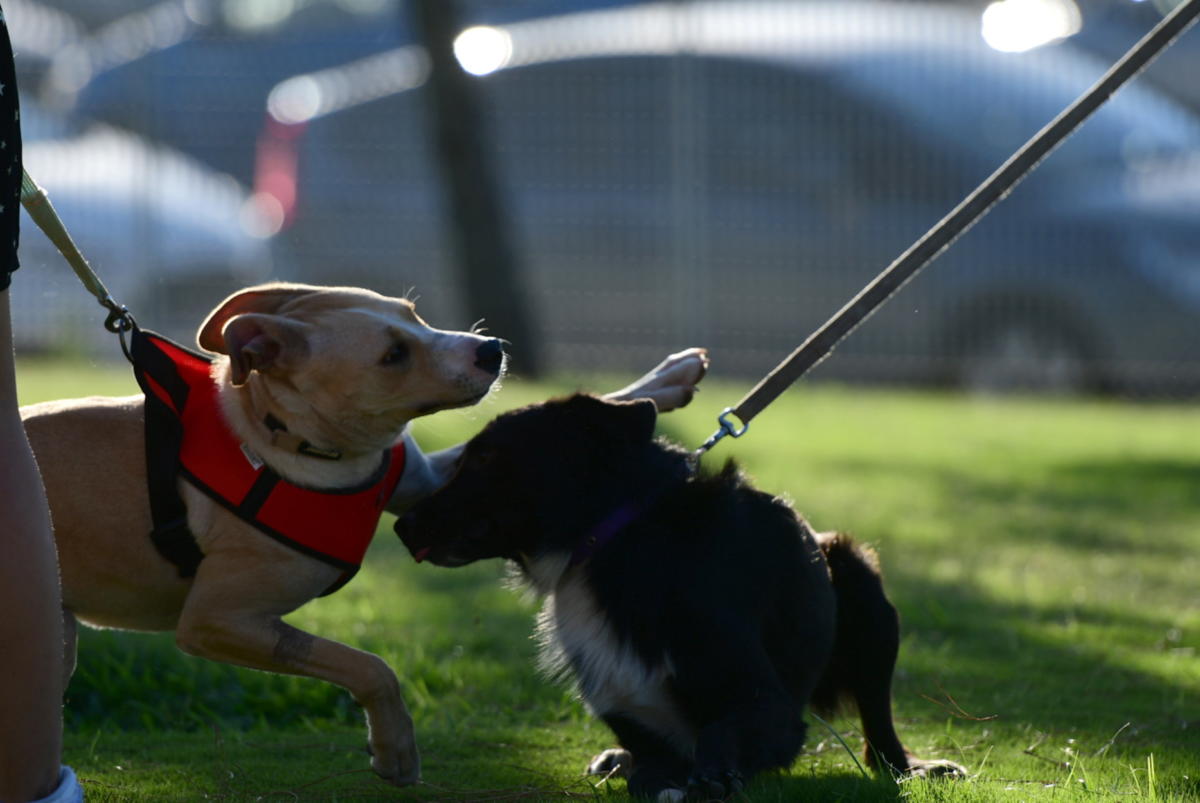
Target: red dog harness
(186,435)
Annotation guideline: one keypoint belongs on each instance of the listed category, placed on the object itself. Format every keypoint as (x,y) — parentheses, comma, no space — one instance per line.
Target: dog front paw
(613,762)
(671,384)
(934,768)
(400,767)
(717,786)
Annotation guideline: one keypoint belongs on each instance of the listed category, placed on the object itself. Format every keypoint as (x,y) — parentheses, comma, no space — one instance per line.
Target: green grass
(1043,554)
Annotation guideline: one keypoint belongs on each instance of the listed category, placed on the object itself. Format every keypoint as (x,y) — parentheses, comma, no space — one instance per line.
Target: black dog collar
(294,443)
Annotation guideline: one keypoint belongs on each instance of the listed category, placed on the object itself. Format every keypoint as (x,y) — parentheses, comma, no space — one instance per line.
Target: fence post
(491,275)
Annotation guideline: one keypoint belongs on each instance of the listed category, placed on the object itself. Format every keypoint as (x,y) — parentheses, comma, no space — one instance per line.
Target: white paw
(613,762)
(671,795)
(935,768)
(670,385)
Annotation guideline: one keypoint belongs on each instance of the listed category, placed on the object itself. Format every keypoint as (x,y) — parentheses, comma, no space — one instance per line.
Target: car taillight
(276,171)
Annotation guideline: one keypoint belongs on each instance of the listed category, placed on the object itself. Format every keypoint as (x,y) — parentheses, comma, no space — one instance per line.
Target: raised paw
(672,384)
(612,763)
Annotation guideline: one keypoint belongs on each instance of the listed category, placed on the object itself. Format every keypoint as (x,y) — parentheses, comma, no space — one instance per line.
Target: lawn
(1043,555)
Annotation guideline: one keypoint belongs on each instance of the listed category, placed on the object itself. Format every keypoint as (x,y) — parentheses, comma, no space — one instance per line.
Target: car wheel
(1021,355)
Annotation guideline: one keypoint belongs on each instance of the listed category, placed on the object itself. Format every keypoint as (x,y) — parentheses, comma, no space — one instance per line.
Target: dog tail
(858,593)
(865,646)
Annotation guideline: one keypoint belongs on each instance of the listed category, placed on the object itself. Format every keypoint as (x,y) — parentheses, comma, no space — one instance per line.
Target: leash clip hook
(119,320)
(727,428)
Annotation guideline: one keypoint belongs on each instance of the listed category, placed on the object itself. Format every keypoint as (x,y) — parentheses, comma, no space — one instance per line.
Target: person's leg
(31,629)
(31,641)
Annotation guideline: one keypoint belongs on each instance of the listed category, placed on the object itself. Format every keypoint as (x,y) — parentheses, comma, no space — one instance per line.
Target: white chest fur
(577,638)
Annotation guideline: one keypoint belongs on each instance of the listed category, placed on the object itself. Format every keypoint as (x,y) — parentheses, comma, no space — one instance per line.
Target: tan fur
(311,357)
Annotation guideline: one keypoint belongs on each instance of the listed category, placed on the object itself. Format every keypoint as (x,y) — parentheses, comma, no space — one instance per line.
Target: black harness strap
(164,434)
(256,497)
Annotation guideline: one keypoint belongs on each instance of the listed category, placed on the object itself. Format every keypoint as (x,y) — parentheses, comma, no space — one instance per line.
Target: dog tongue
(420,554)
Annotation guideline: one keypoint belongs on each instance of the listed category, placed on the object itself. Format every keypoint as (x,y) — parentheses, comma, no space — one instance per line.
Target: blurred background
(605,181)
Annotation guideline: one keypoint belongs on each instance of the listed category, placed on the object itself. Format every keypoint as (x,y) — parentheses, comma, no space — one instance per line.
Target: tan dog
(345,370)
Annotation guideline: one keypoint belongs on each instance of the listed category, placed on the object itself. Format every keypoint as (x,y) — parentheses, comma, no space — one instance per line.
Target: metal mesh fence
(724,174)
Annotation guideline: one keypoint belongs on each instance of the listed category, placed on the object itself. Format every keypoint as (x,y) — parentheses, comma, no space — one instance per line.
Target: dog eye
(398,353)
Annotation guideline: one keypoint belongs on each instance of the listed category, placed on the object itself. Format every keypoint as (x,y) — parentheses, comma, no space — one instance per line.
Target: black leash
(822,342)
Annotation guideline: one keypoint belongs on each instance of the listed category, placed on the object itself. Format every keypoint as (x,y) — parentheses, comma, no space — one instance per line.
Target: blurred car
(95,13)
(195,75)
(1112,27)
(730,174)
(167,236)
(38,32)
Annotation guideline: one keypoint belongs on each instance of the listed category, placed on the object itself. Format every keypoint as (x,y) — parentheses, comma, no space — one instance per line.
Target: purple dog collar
(605,531)
(624,515)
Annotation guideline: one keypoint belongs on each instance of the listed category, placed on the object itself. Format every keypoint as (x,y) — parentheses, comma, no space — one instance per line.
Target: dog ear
(630,421)
(266,299)
(257,342)
(637,417)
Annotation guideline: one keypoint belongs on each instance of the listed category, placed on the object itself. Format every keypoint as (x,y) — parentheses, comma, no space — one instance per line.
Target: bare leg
(70,643)
(31,635)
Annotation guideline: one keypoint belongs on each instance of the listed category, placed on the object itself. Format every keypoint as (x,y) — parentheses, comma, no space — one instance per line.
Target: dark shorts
(10,159)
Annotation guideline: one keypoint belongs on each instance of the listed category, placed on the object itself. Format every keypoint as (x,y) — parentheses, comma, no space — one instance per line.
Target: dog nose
(490,356)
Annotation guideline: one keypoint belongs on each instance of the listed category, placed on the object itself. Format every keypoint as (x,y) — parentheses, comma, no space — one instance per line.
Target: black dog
(697,615)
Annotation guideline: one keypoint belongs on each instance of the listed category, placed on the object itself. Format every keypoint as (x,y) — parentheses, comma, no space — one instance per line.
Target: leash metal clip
(727,428)
(119,320)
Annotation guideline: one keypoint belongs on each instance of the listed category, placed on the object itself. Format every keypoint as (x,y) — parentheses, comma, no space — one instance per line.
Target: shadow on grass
(1029,673)
(446,633)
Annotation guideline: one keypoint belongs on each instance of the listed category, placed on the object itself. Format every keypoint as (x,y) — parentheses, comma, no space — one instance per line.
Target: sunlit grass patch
(1043,555)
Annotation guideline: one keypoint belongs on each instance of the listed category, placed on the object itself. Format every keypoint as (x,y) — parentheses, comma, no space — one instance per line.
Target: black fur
(700,628)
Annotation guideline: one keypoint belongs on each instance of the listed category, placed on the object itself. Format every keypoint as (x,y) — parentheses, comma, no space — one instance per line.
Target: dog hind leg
(864,659)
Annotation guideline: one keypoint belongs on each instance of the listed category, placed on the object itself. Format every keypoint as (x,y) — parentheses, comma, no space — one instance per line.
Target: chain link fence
(724,174)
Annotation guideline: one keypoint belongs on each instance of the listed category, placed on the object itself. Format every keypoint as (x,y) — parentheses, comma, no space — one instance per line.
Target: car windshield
(991,103)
